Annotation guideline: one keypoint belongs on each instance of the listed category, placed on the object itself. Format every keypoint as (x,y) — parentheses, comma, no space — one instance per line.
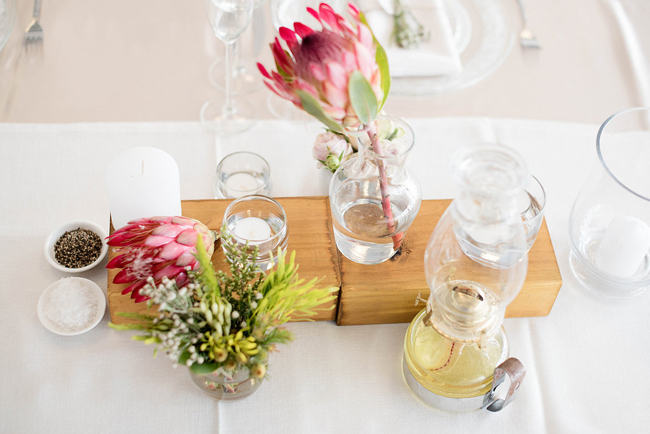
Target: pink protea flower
(321,63)
(157,247)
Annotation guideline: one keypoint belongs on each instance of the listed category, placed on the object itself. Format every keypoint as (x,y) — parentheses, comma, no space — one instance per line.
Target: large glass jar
(609,225)
(475,264)
(374,197)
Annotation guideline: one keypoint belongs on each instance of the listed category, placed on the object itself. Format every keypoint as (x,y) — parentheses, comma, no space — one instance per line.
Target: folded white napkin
(436,56)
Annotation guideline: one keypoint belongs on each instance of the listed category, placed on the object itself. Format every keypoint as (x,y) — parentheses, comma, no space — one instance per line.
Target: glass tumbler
(257,221)
(609,225)
(240,174)
(532,202)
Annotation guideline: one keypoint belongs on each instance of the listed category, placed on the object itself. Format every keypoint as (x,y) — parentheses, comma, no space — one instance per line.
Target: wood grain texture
(386,293)
(369,294)
(310,235)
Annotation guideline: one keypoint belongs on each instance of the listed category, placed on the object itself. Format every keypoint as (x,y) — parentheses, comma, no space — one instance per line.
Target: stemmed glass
(245,76)
(228,18)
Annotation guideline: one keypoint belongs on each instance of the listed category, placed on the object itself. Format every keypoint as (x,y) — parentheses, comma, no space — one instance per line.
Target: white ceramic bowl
(70,226)
(56,328)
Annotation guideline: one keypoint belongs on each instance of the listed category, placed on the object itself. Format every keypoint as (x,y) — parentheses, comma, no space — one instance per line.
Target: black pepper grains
(77,248)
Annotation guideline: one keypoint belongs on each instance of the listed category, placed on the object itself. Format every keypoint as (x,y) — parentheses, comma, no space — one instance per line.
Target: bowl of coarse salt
(71,306)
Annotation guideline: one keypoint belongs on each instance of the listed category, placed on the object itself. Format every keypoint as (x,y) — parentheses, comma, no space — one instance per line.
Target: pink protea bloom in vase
(157,247)
(338,74)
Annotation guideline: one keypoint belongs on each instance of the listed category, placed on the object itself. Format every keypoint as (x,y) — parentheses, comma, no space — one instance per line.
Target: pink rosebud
(331,149)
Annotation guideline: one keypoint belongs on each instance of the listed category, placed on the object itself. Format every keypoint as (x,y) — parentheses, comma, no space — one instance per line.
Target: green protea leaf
(362,98)
(207,270)
(382,61)
(183,357)
(204,368)
(311,106)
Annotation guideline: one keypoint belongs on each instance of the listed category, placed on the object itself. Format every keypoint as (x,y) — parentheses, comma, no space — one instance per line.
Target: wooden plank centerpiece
(369,294)
(310,235)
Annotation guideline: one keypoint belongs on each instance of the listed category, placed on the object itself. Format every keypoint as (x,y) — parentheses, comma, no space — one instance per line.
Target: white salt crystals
(71,306)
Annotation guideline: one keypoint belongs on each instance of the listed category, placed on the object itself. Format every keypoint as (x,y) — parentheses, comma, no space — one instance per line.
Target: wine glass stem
(236,56)
(229,106)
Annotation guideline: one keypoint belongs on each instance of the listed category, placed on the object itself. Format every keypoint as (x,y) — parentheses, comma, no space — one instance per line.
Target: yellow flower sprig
(287,297)
(220,321)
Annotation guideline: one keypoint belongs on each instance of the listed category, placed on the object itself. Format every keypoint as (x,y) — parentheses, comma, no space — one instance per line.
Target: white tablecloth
(587,361)
(148,60)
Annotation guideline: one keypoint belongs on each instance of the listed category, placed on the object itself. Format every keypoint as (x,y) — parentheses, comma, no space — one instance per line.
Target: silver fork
(33,39)
(526,37)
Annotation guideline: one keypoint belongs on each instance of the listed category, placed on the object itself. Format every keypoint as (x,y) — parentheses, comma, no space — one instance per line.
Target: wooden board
(386,293)
(369,294)
(310,235)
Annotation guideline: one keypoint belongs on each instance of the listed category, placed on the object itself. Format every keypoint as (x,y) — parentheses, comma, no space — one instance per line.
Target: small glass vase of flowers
(223,326)
(339,74)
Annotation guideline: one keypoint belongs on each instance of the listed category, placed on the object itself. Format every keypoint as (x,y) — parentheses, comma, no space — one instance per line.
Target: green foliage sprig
(228,321)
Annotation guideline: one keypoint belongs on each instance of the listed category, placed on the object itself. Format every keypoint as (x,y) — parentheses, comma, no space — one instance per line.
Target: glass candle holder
(257,221)
(241,174)
(532,202)
(609,226)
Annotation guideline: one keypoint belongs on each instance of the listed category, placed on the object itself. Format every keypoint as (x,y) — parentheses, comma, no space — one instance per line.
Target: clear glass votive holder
(241,174)
(257,221)
(532,202)
(609,225)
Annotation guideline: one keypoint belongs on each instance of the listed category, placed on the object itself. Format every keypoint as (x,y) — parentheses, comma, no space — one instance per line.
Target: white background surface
(140,67)
(587,361)
(147,60)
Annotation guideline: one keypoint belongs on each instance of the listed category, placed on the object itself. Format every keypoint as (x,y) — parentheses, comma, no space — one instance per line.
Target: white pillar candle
(143,182)
(241,184)
(253,229)
(624,246)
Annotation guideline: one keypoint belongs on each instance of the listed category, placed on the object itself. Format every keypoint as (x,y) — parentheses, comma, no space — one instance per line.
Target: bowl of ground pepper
(76,246)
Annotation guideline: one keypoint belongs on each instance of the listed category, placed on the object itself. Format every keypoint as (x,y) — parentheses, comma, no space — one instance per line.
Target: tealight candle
(143,182)
(258,221)
(625,244)
(241,184)
(253,229)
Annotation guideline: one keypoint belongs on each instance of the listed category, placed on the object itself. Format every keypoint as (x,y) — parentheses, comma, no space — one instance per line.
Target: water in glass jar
(364,237)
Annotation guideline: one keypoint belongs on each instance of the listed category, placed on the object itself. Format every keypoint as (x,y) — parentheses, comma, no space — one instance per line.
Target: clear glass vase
(475,264)
(609,226)
(225,385)
(374,197)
